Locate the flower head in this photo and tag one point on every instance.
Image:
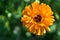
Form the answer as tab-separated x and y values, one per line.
37	18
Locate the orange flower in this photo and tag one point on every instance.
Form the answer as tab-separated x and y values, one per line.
37	18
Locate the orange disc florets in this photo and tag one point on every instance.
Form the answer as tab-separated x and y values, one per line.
37	18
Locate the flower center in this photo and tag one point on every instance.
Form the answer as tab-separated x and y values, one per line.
37	18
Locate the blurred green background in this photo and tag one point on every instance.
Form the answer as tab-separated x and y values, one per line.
11	27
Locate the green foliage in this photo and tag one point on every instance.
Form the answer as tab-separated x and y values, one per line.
11	27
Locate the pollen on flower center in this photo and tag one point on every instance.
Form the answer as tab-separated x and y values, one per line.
37	18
